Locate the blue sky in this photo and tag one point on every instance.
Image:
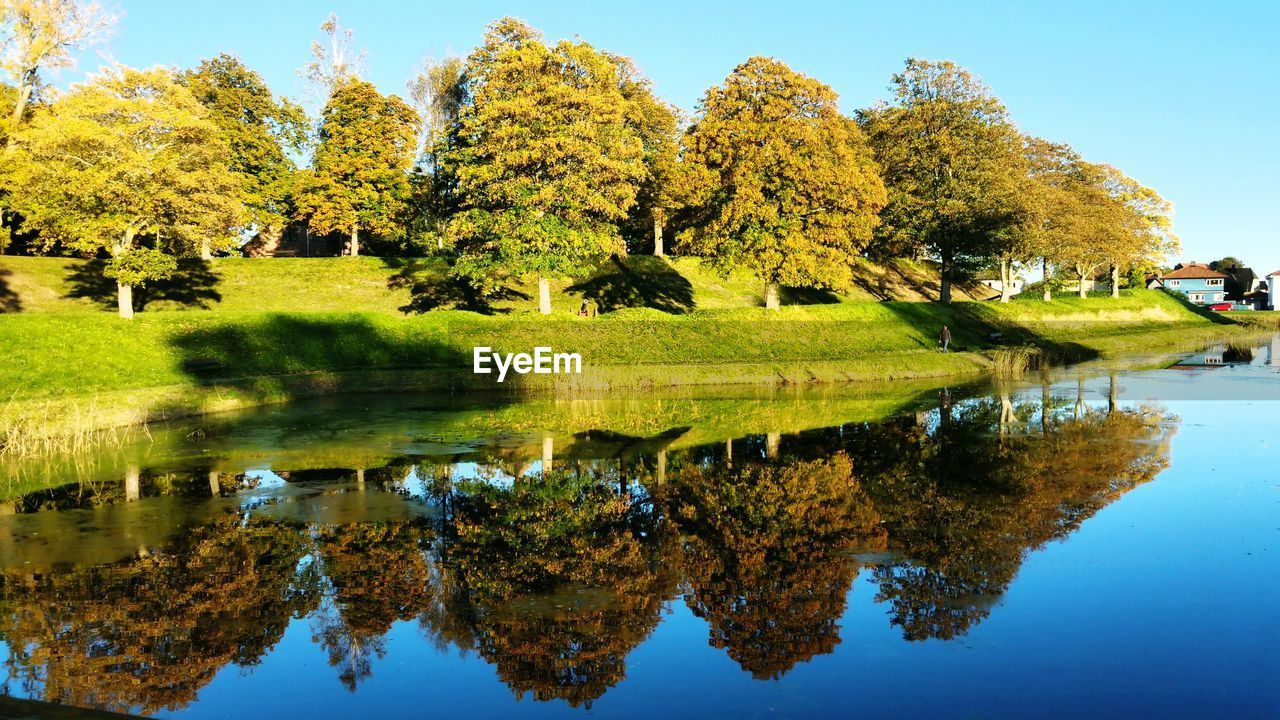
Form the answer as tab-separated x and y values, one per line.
1181	95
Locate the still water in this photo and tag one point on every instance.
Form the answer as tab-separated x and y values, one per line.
1100	544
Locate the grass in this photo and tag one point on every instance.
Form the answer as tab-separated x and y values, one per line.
243	332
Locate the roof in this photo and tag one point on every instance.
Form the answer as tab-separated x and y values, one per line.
1193	271
1275	274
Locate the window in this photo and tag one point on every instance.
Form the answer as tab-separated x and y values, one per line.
1215	281
1175	283
1197	297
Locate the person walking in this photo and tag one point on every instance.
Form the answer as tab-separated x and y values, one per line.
944	338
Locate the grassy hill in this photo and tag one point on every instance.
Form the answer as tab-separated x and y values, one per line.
367	284
275	329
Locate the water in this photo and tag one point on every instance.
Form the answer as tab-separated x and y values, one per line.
1100	544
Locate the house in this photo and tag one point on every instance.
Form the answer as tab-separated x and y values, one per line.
1273	282
993	281
1201	285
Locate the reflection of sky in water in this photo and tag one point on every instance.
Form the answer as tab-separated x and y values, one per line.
1160	604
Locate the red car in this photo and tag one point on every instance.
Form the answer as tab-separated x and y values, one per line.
1219	307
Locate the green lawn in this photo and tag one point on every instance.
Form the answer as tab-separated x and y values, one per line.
278	328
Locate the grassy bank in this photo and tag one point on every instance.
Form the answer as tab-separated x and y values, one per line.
71	368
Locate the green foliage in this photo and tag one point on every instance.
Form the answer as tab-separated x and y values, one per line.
360	175
790	189
259	130
953	165
130	154
140	265
545	156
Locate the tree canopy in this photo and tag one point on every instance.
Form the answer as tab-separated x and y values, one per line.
360	171
791	188
127	157
545	157
952	162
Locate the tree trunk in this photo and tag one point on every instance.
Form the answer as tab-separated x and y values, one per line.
355	241
206	249
547	454
662	467
544	295
1048	276
1005	290
944	295
657	235
19	107
728	453
215	483
772	441
1083	292
1113	395
132	483
1115	281
124	300
771	301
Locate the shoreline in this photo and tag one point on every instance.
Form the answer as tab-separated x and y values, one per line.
71	423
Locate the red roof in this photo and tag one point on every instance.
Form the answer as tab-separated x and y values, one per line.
1274	274
1192	271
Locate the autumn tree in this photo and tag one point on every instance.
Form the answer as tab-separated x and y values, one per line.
360	170
794	190
1144	234
952	162
545	158
41	35
127	156
657	123
334	62
437	93
260	131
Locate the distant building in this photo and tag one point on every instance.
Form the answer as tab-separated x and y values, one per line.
995	283
1273	282
1240	282
1201	285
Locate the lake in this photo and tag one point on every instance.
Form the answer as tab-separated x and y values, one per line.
1093	542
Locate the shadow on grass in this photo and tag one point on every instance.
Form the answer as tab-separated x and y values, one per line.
976	326
193	285
9	300
637	282
807	296
431	287
1204	312
284	344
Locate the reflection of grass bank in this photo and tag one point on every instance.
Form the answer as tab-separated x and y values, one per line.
181	363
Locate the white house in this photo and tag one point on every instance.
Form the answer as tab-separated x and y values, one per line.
1272	281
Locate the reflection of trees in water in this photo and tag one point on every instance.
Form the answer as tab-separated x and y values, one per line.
147	634
377	573
767	555
555	577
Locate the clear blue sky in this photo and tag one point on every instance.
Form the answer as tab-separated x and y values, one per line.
1181	95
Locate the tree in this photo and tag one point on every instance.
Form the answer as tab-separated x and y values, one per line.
42	35
545	158
437	92
1229	262
360	173
1046	203
334	62
259	129
794	191
1145	234
126	157
657	124
952	163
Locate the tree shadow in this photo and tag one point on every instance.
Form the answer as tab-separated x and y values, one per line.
975	326
637	281
193	285
808	296
276	344
1204	312
9	300
431	288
